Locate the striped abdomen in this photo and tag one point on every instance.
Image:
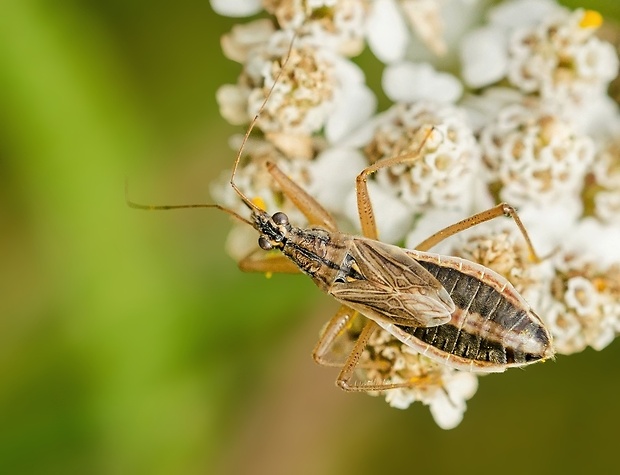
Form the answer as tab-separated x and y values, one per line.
492	328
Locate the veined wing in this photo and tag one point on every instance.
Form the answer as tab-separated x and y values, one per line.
384	282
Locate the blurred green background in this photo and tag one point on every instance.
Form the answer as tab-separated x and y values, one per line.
129	341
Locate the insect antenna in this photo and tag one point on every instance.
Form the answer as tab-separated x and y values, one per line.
241	195
253	207
149	207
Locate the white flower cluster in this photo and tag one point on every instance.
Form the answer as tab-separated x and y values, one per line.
585	305
533	155
603	183
527	120
540	48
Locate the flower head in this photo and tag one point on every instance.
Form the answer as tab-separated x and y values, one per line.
541	48
533	155
602	185
527	120
560	58
442	148
584	307
339	23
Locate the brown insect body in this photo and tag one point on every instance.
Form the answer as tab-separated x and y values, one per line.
452	310
493	328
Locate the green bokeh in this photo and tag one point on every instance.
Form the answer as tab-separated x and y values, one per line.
130	343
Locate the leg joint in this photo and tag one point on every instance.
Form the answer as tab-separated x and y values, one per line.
508	210
344	385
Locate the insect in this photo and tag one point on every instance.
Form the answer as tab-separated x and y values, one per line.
451	310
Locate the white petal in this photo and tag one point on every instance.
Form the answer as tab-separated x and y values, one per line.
347	71
549	225
594	240
429	223
484	56
354	103
459	17
400	398
606	335
448	407
599	118
333	176
241	241
425	16
446	414
462	385
243	37
354	107
299	146
482	109
233	102
387	31
236	8
361	136
517	13
408	82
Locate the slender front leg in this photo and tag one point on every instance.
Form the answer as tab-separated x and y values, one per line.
267	263
311	208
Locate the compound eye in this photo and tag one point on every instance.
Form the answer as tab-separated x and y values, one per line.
264	243
280	218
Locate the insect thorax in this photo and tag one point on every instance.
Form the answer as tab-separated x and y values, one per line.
313	251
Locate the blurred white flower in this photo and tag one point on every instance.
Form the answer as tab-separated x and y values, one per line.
409	82
582	294
388	35
337	23
540	48
393	26
603	183
448	405
483	56
561	59
426	20
236	8
521	13
243	38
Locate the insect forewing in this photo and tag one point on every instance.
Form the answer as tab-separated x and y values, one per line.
391	286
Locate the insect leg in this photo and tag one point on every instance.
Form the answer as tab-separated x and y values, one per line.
345	378
260	261
502	209
337	328
312	210
369	229
364	206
